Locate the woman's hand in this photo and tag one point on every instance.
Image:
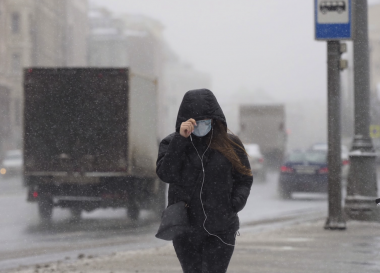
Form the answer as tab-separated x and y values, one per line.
187	127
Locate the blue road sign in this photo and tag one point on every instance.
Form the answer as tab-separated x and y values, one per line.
333	19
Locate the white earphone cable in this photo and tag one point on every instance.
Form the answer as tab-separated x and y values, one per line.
203	181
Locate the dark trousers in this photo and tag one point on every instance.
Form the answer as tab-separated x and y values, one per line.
199	252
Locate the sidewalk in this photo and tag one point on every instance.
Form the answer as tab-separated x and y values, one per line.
305	248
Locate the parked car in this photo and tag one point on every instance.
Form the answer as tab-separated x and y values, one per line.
303	172
256	160
344	156
12	163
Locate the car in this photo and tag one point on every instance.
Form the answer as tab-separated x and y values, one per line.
256	160
344	156
303	171
12	163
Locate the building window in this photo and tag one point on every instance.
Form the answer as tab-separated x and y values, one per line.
16	64
15	24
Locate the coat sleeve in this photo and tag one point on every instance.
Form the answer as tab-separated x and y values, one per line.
242	183
171	158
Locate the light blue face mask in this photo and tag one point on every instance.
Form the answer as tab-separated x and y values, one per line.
203	127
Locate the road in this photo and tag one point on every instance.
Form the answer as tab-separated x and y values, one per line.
24	240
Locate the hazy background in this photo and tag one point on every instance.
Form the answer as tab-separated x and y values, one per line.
254	51
256	45
246	51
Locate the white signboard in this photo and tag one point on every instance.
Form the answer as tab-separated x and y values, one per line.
333	12
333	19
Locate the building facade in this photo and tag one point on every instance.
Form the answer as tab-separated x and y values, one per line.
107	46
4	86
45	33
132	41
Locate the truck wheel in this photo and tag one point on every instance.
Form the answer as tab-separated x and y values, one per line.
45	208
75	213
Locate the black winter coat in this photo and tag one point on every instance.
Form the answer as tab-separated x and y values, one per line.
225	190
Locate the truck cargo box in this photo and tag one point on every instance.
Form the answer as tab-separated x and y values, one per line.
89	121
265	126
90	140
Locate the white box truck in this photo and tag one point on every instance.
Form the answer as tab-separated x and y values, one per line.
90	140
265	126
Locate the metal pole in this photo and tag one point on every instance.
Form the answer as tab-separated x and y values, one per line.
362	183
335	219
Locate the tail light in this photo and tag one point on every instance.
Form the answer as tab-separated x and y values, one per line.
32	196
286	169
323	170
261	160
345	162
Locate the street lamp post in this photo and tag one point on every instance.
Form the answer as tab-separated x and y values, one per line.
362	183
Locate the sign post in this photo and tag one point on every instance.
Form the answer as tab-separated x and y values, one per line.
333	22
362	182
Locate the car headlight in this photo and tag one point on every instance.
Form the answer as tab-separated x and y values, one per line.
3	171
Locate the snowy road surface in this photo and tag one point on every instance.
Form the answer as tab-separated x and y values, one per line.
23	240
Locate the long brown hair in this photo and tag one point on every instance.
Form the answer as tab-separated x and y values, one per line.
225	145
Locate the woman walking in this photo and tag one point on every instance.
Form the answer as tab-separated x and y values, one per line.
208	169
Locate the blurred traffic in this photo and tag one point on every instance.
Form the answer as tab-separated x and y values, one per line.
12	163
307	171
256	160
